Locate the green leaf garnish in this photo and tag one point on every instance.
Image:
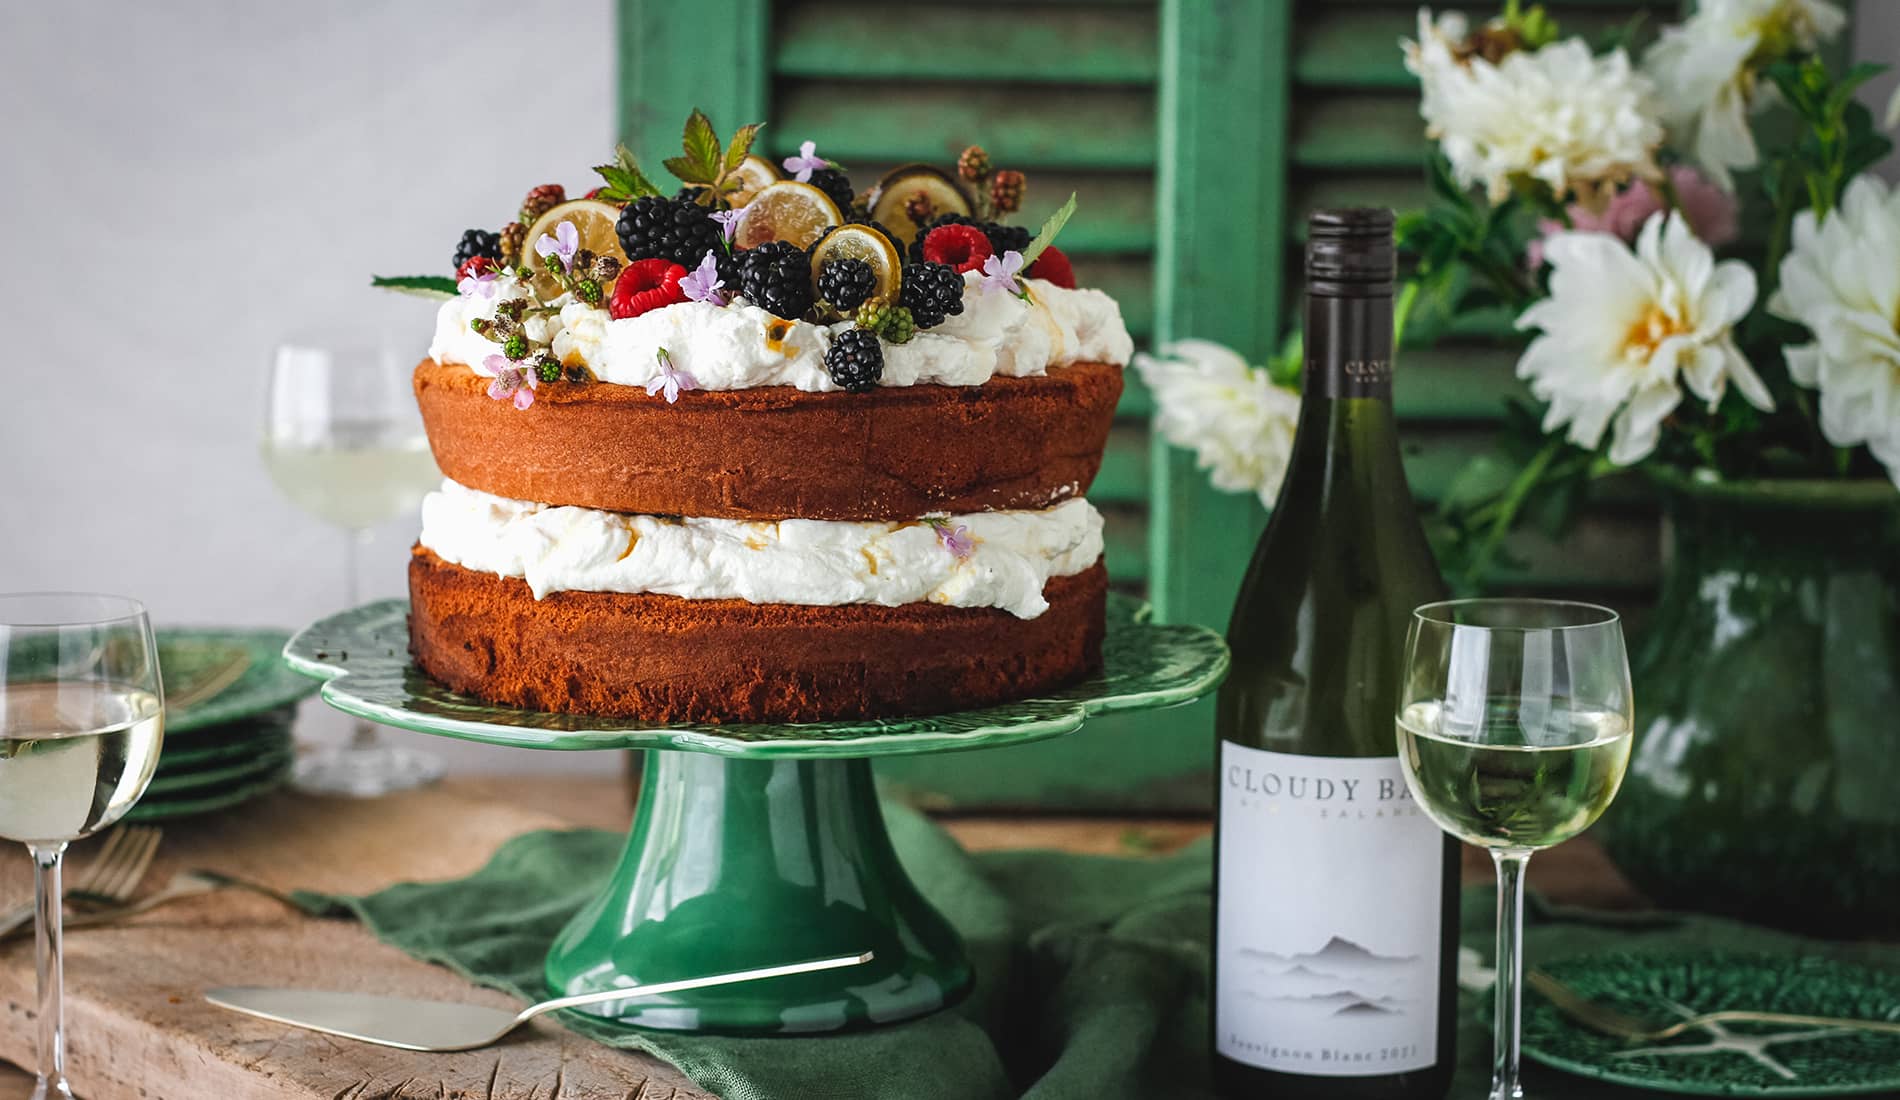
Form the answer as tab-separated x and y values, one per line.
741	145
1049	230
625	182
422	286
703	162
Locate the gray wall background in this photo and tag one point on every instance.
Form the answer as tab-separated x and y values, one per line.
185	185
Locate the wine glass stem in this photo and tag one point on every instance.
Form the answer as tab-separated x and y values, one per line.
46	952
1510	968
363	735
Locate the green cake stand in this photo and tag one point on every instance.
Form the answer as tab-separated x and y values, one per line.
753	845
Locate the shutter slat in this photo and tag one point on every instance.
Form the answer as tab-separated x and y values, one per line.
1040	43
1354	45
1359	131
1108	128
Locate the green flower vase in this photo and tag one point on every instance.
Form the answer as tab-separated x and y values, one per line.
1765	779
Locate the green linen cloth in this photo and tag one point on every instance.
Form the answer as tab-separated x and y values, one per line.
1091	972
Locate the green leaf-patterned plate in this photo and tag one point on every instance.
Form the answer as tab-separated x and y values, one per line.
153	808
363	654
207	780
240	740
190	657
1734	1059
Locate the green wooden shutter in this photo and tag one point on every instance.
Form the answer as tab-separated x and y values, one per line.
1196	135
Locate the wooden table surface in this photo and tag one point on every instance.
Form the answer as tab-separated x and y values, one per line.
138	1028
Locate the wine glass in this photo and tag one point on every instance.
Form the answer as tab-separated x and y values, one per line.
343	440
82	715
1514	732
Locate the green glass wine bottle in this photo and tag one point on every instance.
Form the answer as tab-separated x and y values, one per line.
1335	920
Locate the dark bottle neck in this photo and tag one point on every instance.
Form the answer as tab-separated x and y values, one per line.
1349	346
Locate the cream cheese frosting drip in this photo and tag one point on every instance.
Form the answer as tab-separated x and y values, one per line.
1005	559
742	346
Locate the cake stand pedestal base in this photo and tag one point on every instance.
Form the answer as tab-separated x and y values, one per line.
736	863
757	844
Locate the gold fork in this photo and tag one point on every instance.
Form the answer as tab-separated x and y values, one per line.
109	879
1609	1021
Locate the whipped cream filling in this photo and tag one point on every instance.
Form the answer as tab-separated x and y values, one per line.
742	346
1007	558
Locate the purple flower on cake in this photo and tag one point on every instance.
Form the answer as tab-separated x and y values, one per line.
729	220
563	242
670	379
704	283
999	272
957	540
478	286
805	163
511	382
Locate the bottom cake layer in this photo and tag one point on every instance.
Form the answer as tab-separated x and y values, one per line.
667	659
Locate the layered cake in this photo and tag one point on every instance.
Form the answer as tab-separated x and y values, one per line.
764	448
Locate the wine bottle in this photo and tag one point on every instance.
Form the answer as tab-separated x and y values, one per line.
1335	920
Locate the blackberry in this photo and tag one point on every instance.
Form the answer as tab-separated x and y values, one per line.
846	283
1003	238
855	361
690	192
660	228
776	276
477	242
932	293
837	185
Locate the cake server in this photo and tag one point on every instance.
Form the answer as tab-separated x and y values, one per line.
441	1026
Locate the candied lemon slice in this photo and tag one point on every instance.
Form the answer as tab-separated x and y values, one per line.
861	242
787	211
594	224
891	201
754	174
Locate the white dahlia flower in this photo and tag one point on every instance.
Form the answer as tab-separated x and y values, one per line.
1707	72
1624	330
1238	423
1841	279
1582	124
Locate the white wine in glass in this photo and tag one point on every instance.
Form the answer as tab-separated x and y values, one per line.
1502	789
343	440
1514	719
82	717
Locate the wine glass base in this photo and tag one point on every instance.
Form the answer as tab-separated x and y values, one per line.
365	771
58	1090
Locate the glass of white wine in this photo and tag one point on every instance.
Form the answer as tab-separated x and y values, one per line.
1514	732
343	440
82	716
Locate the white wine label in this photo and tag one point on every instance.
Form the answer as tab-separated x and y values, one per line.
1329	916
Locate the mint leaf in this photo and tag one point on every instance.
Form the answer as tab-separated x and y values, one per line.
422	286
1049	230
741	145
625	182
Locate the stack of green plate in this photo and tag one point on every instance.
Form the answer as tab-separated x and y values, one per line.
229	706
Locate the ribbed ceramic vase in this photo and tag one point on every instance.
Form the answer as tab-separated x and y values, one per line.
1765	780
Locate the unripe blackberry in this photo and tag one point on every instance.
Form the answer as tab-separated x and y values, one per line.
1006	191
541	200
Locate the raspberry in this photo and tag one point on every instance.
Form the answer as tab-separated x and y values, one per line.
960	247
644	285
1053	266
474	265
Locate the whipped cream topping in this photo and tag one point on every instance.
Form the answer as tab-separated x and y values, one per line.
825	563
742	346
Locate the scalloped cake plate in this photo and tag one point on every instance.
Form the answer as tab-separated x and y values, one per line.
363	657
